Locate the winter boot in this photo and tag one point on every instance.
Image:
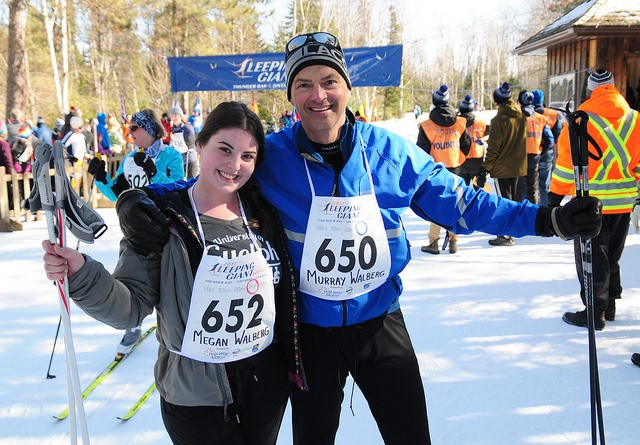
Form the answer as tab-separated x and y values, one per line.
131	337
610	313
453	245
635	359
432	247
502	241
580	319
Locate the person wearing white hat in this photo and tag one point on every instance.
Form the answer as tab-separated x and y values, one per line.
76	146
183	139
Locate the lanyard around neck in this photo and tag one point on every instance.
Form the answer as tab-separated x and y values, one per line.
252	237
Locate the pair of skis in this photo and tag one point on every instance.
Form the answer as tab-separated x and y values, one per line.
141	401
106	372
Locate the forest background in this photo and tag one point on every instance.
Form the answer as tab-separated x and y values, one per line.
111	56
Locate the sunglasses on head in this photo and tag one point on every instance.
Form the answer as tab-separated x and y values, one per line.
319	37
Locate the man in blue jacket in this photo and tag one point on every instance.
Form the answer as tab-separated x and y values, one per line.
340	186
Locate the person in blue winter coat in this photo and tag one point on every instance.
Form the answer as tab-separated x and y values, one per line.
340	187
104	142
42	132
153	162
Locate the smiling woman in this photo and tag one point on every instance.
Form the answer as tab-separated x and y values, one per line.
223	268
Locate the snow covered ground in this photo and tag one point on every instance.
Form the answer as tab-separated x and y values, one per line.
498	364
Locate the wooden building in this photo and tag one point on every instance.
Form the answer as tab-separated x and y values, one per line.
595	34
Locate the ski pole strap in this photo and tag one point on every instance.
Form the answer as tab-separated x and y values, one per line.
579	139
80	218
41	196
577	131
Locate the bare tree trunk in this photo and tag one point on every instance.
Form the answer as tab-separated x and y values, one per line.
17	68
117	85
136	107
48	24
96	82
64	35
133	91
401	103
30	97
483	60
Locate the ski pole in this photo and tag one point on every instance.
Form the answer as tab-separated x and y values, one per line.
55	339
42	197
64	209
75	403
580	159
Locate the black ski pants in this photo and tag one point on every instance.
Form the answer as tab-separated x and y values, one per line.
606	250
528	186
379	356
260	391
507	188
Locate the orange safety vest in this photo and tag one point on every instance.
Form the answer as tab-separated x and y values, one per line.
552	115
535	126
613	178
476	132
553	118
445	141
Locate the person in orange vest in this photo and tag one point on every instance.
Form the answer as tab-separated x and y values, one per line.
506	157
477	129
548	158
615	127
444	136
539	140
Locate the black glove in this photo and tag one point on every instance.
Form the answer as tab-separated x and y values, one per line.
143	224
98	168
579	217
141	159
554	200
120	185
481	179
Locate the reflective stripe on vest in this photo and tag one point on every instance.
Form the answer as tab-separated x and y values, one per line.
616	193
445	141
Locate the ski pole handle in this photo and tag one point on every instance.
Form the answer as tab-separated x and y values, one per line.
577	125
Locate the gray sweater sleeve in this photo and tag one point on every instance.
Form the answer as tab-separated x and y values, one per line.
121	299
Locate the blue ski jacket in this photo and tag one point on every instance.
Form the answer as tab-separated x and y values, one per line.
169	169
404	176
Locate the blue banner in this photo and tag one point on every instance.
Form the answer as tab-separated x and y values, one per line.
375	66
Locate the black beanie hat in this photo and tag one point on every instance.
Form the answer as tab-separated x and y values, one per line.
525	98
502	94
466	105
317	48
441	95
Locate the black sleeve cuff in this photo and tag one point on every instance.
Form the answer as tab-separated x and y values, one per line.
544	227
